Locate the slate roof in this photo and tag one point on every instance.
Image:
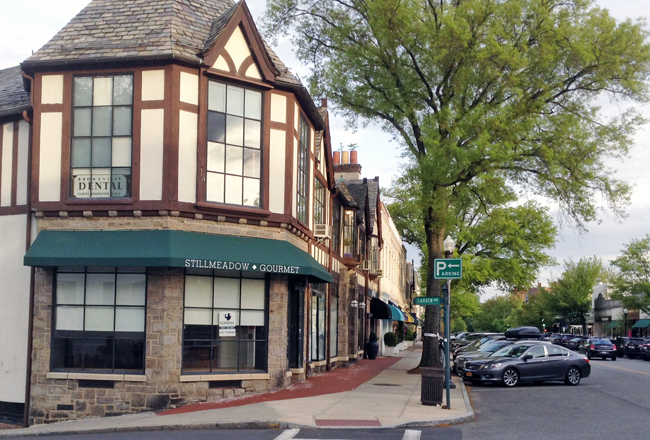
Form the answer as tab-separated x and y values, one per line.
13	97
359	189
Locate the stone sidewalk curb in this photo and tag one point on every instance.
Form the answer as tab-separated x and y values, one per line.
250	425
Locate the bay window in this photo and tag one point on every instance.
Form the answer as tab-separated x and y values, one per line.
303	171
99	319
225	324
234	154
101	151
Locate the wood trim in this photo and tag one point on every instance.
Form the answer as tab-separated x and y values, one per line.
276	125
245	65
266	150
14	210
228	59
233	210
136	135
49	108
245	81
36	139
150	105
202	138
66	137
14	165
172	92
190	108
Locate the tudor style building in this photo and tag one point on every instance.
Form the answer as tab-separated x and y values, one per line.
173	185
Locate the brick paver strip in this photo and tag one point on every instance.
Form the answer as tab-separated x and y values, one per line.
329	382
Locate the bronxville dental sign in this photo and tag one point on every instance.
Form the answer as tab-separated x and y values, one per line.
231	265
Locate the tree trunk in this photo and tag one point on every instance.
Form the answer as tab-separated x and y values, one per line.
430	349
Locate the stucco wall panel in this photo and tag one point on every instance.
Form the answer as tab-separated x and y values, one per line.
50	157
151	154
187	150
278	160
6	171
153	85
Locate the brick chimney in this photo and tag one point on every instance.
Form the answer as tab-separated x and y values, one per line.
346	166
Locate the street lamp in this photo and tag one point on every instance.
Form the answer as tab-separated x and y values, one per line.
624	322
354	304
448	245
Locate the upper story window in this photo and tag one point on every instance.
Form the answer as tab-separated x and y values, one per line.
319	202
336	226
303	171
234	159
349	234
102	115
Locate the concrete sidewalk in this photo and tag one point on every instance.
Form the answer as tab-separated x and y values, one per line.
390	399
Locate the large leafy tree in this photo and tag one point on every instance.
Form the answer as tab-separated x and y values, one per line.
631	282
570	296
483	95
498	314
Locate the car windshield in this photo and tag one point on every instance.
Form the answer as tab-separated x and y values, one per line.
600	341
635	341
475	343
511	351
491	347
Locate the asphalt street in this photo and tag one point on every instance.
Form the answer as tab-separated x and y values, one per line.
614	402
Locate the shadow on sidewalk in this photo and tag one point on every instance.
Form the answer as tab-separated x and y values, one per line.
335	381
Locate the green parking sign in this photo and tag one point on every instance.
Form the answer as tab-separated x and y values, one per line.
448	269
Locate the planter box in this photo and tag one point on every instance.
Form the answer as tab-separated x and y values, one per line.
391	351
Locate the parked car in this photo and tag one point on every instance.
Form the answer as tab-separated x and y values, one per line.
556	337
572	344
620	345
632	348
485	350
565	339
598	347
474	345
528	362
645	351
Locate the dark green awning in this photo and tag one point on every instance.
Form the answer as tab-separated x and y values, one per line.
172	249
642	323
613	324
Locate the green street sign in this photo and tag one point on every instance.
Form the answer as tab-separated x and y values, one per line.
448	268
426	301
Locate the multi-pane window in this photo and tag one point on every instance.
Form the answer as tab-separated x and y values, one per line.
303	171
234	156
336	226
374	253
225	324
102	115
99	319
319	202
317	332
334	320
349	234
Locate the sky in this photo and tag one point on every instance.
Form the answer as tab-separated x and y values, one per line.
25	27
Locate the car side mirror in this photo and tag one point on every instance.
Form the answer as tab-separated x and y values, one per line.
528	356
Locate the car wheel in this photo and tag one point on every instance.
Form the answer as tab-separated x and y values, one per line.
510	377
646	358
613	358
573	376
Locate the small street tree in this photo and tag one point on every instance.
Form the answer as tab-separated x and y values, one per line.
486	97
631	281
570	296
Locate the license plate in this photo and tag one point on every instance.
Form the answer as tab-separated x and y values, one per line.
469	373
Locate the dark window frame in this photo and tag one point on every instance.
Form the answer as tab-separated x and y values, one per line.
319	202
214	339
84	336
302	183
90	137
336	226
318	297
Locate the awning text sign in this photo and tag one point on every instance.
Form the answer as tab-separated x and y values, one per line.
427	301
448	268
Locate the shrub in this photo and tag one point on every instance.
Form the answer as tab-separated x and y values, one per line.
390	339
373	337
409	335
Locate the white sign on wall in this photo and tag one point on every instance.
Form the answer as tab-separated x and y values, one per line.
102	185
227	324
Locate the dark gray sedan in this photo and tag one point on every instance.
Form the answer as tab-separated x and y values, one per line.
528	363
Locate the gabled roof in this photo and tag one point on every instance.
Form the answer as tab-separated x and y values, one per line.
362	190
13	97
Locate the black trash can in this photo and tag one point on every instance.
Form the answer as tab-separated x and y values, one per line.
433	385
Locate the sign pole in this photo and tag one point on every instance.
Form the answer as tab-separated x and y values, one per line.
447	369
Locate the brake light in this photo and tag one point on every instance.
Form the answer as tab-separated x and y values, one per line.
587	360
613	346
591	346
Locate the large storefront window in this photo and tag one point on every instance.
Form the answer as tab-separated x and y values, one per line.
234	159
102	115
303	171
317	336
334	320
99	319
225	324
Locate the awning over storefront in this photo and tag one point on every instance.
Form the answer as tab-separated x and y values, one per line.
396	314
411	318
379	309
172	249
613	324
642	323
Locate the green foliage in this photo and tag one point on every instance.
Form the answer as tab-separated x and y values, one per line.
457	325
372	337
631	282
498	314
410	336
390	339
401	331
570	296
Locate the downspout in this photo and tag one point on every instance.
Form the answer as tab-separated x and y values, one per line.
32	275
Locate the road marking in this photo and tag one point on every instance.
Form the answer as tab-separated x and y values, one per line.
624	369
288	434
412	434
